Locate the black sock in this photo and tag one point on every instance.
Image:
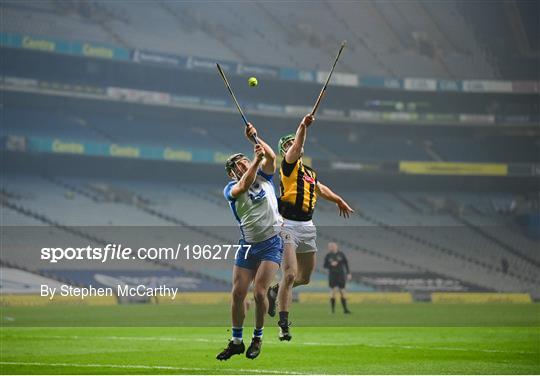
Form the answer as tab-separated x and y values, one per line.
284	316
333	304
344	304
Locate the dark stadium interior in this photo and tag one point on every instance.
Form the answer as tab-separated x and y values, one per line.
115	127
63	97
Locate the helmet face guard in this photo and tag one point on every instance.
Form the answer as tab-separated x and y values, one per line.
282	141
230	163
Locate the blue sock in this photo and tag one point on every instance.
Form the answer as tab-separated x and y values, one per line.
237	335
258	332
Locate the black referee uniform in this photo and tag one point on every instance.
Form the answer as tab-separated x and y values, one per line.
338	269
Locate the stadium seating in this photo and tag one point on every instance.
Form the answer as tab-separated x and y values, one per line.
391	233
103	122
450	234
385	38
16	281
505	50
442	243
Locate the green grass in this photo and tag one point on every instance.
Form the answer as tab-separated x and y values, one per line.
380	339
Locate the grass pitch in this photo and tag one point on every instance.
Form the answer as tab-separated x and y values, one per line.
381	339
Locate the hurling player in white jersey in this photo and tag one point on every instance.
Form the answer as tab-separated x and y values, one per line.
253	201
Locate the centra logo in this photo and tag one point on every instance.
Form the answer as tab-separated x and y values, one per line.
99	51
38	44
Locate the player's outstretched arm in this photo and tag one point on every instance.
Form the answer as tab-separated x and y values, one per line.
268	165
344	209
295	151
249	177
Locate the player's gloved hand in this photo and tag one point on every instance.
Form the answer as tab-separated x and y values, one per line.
344	209
250	132
349	277
308	119
259	152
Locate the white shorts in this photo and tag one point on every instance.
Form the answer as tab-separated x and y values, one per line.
302	234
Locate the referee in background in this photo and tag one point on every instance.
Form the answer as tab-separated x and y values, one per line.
338	274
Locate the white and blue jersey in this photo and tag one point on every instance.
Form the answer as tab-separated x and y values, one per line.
256	210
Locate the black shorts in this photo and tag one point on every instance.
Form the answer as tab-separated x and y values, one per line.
336	281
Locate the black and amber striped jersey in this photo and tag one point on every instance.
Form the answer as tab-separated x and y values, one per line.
298	193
